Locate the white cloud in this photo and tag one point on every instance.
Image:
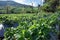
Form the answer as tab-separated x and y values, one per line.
34	4
20	1
24	2
42	2
28	2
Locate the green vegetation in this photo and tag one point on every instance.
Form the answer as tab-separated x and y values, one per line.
34	23
51	5
18	10
31	26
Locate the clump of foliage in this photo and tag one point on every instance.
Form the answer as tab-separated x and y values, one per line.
36	27
51	5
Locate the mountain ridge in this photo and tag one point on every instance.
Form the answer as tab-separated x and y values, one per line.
12	3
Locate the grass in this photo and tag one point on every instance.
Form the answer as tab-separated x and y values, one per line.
16	14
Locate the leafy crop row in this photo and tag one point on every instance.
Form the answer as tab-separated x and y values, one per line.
36	27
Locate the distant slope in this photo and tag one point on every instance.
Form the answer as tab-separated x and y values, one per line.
12	3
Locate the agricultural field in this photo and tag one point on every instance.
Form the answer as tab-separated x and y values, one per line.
31	26
36	20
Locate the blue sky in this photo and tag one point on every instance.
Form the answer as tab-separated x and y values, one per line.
29	2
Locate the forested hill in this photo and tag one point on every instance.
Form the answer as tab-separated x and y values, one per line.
12	3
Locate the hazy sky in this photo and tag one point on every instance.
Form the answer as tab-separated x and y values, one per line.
29	2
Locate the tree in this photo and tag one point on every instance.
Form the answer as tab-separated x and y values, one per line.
31	5
52	5
7	6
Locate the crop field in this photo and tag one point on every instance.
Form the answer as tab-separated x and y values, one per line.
30	26
29	19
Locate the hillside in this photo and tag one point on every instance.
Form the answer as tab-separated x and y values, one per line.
12	3
12	7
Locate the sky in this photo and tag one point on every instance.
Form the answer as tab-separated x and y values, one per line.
28	2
